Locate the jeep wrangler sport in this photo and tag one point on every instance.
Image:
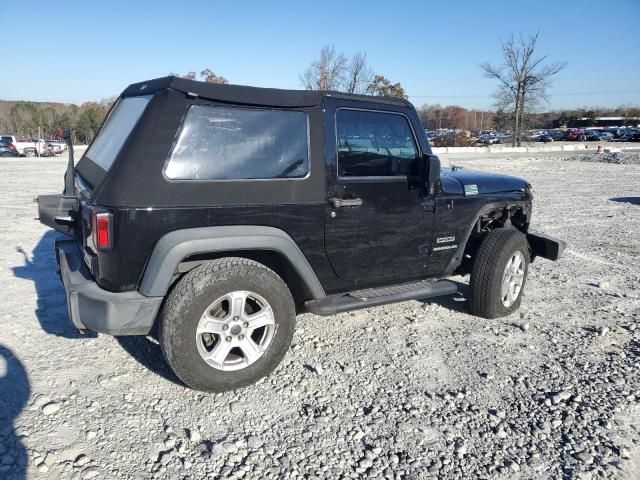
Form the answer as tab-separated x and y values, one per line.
212	214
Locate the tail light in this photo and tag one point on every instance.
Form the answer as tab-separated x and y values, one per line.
102	230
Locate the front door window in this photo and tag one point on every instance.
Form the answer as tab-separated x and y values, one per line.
374	144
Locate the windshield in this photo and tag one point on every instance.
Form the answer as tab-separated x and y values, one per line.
116	130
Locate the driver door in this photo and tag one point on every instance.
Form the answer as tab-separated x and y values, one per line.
378	228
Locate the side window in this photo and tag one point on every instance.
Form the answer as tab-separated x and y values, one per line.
234	143
374	144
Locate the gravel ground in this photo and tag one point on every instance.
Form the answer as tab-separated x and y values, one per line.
625	158
413	390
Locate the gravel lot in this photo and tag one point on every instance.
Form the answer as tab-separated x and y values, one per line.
414	390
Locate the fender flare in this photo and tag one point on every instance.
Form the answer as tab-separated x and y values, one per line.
456	260
175	246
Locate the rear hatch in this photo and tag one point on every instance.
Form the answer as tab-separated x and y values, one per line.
65	212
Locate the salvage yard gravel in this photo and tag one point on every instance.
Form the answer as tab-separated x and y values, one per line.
415	390
624	158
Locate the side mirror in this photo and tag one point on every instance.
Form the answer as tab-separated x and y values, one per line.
432	173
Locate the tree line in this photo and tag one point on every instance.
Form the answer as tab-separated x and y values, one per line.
456	117
436	116
523	79
41	120
30	119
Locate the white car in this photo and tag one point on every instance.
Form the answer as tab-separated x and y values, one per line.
35	147
55	146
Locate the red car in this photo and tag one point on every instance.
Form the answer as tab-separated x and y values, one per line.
578	135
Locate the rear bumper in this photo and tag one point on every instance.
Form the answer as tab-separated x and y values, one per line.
545	246
96	309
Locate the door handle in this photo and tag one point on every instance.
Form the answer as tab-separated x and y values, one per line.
346	202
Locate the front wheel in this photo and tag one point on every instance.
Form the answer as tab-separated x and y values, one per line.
499	273
226	324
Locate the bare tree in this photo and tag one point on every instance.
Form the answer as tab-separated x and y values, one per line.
523	79
188	75
327	72
358	74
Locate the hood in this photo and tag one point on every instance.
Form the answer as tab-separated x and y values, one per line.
471	182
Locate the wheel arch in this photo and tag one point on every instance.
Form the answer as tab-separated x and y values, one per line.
181	250
506	212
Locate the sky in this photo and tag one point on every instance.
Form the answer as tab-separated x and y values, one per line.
72	52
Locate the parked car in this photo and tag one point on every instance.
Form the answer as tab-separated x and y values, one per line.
491	138
534	135
27	147
592	135
8	149
552	136
577	135
53	147
606	135
619	132
273	202
629	136
58	146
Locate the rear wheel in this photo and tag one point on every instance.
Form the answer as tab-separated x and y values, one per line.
226	324
499	273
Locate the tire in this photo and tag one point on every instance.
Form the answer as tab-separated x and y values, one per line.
489	268
184	310
7	154
30	152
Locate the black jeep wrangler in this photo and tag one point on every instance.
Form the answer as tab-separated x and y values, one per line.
212	214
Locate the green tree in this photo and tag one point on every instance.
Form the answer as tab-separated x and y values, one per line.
567	119
22	119
89	121
207	75
501	120
591	117
383	87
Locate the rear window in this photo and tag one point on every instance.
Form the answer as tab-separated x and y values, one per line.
116	130
233	143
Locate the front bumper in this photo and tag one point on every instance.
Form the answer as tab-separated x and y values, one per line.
96	309
545	246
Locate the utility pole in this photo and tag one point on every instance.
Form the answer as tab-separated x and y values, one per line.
481	118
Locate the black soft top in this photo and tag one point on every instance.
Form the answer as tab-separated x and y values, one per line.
271	97
136	179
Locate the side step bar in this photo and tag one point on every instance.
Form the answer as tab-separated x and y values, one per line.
333	304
